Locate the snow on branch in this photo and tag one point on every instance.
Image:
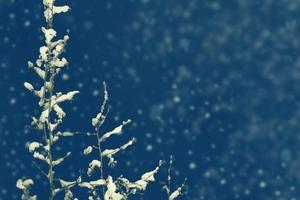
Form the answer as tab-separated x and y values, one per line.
50	9
109	153
115	131
93	165
101	116
24	185
179	191
111	191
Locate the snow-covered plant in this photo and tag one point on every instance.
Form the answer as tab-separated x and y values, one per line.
47	66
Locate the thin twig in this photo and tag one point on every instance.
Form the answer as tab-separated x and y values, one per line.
51	175
39	168
169	175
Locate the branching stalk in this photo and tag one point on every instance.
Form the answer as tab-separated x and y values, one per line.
50	133
50	139
102	119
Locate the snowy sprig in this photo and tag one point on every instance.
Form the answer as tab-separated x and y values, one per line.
112	190
172	195
109	153
101	116
116	131
47	66
178	192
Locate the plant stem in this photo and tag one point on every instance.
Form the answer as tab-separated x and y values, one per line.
169	175
101	159
50	137
102	119
50	133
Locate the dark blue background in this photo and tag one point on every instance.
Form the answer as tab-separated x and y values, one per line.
214	83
